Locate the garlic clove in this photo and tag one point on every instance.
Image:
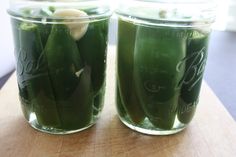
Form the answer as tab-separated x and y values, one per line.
77	29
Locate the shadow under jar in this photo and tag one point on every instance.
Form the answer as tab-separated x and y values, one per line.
60	50
161	56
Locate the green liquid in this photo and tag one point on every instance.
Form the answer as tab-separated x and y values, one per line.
61	81
159	74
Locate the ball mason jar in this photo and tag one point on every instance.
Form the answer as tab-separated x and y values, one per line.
161	56
60	51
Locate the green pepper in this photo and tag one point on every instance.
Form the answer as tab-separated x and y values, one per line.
92	48
63	61
158	51
33	78
44	31
77	111
125	78
195	61
25	102
23	92
70	80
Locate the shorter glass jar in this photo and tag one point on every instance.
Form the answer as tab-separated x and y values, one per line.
60	50
161	55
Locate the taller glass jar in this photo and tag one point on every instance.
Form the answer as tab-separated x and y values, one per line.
162	52
60	50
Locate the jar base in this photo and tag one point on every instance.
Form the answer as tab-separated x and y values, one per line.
55	131
153	131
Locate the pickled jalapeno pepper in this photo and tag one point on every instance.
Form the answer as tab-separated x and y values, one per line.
126	92
194	61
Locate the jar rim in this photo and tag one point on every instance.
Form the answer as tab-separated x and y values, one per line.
154	12
104	11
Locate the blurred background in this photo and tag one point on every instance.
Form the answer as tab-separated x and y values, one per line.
220	71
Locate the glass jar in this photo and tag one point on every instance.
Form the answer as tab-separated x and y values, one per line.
60	50
161	55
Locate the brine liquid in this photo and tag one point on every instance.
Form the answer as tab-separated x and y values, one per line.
159	75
